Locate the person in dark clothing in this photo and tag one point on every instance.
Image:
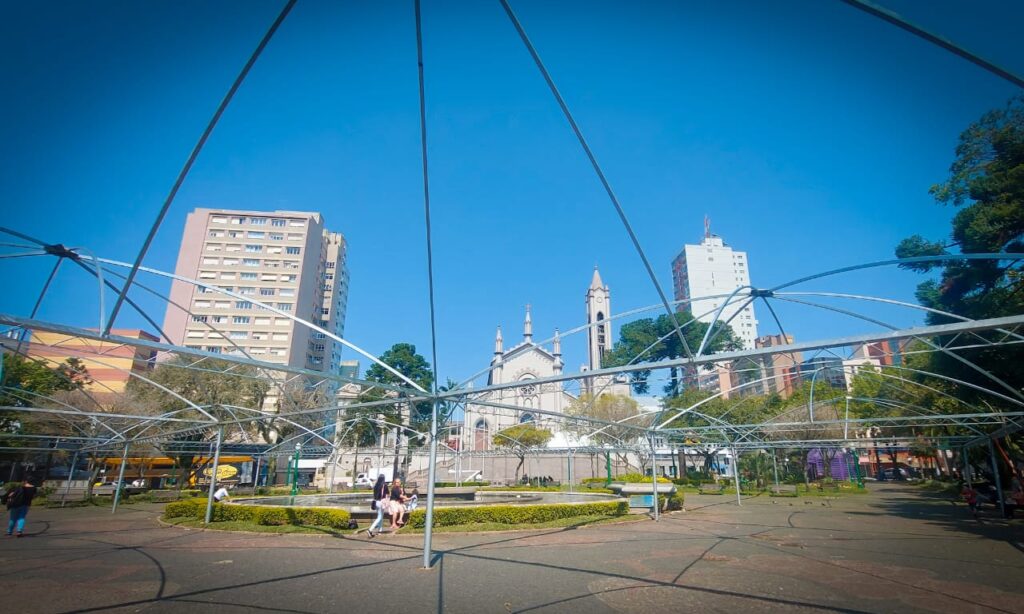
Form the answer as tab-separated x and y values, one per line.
18	501
380	492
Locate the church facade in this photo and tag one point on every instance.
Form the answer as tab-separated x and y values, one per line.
526	361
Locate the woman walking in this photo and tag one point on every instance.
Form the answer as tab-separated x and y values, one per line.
380	501
18	501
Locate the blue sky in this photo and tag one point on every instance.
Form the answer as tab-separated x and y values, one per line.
808	131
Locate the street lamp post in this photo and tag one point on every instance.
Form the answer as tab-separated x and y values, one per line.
295	468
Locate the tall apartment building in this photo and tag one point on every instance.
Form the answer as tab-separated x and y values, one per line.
284	259
712	268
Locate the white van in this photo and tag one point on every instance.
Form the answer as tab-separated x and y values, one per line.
366	480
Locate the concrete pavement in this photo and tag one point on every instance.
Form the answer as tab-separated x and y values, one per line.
896	549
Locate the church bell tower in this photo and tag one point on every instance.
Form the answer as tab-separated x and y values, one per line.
599	308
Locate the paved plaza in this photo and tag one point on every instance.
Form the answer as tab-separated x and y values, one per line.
897	549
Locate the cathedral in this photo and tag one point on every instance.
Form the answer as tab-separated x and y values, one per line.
527	361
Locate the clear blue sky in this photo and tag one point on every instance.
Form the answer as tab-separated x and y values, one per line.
808	131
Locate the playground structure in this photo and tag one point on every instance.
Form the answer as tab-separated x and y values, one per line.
977	412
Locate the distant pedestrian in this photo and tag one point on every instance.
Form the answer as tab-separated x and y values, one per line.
18	500
380	501
221	495
971	497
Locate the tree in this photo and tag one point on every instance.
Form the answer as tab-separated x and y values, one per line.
986	183
520	439
403	358
610	408
211	385
655	339
23	381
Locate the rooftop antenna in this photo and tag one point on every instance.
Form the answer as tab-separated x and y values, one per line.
707	227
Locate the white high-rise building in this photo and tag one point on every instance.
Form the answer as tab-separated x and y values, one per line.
713	269
284	259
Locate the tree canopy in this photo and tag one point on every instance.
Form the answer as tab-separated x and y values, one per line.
986	184
654	339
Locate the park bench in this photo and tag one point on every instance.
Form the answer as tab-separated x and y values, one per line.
710	489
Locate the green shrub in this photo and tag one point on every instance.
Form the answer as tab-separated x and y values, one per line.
673	503
281	491
516	514
455	484
189	508
258	514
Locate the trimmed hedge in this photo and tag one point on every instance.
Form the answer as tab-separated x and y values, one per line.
459	484
284	491
629	478
516	514
674	503
258	514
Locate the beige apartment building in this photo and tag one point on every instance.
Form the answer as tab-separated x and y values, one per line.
284	259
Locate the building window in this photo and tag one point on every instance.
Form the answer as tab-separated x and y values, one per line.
219	220
277	223
243	305
258	221
230	261
240	319
287	292
250	262
297	223
246	290
238	220
254	248
239	334
284	306
266	292
200	318
293	250
247	276
213	349
276	236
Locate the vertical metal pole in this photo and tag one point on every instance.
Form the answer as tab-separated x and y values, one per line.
846	420
654	475
213	477
967	466
570	471
256	476
998	480
431	477
120	479
736	475
334	468
608	467
67	485
775	467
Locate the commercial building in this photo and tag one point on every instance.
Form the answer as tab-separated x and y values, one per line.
286	260
110	365
713	269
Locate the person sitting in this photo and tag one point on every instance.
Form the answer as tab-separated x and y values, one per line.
413	501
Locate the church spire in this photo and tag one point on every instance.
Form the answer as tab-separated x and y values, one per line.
499	346
595	282
528	326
